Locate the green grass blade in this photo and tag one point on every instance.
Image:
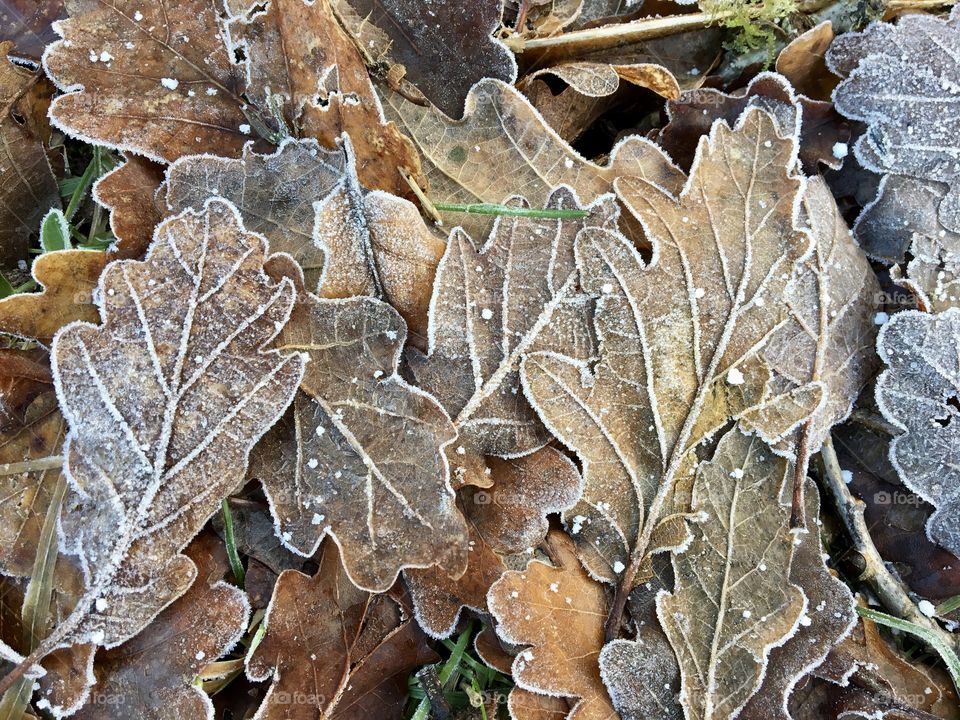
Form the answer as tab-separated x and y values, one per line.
55	232
230	541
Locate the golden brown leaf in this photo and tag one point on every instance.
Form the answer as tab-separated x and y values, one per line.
129	192
803	62
69	278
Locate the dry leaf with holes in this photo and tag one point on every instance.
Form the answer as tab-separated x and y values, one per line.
28	187
918	393
442	48
733	600
463	159
517	293
303	66
150	676
68	278
148	78
913	129
678	341
130	193
559	613
360	454
148	463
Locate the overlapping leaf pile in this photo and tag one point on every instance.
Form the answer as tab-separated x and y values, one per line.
291	432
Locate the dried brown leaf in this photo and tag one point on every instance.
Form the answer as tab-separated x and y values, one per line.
148	463
464	159
516	294
444	48
148	78
594	79
913	129
360	455
678	338
559	612
301	63
733	601
918	393
150	676
28	188
28	24
130	193
803	62
820	128
68	278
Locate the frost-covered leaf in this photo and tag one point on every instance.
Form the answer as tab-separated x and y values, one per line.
27	185
511	514
933	273
148	77
465	160
68	278
638	675
830	335
903	81
130	193
678	339
360	455
559	613
516	294
594	79
307	201
733	600
829	617
328	644
301	63
150	676
150	459
444	48
918	393
819	127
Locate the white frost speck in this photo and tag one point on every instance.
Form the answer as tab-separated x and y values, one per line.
699	293
320	430
554	587
927	608
486	313
101	604
245	129
747	613
735	377
138	16
316	519
840	150
312	463
737	473
880	318
606	288
618	567
847	476
200	655
170	83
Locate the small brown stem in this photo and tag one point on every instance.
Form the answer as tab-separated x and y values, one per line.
890	591
53	462
797	514
611	628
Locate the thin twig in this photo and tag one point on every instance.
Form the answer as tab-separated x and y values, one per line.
53	462
890	591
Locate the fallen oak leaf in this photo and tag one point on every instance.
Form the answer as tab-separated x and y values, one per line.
129	193
803	62
138	77
500	128
190	323
911	131
68	278
360	455
28	23
443	48
150	676
678	342
28	188
301	63
594	79
559	612
516	294
918	394
733	599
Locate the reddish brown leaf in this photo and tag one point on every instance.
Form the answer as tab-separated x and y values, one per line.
129	192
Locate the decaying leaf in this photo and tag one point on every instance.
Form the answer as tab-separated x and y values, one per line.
820	128
28	24
594	79
803	62
518	293
913	129
147	78
933	273
559	613
918	393
733	601
511	513
638	675
360	455
69	278
828	619
443	48
150	676
27	185
500	129
678	338
149	462
303	66
318	649
830	333
129	192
